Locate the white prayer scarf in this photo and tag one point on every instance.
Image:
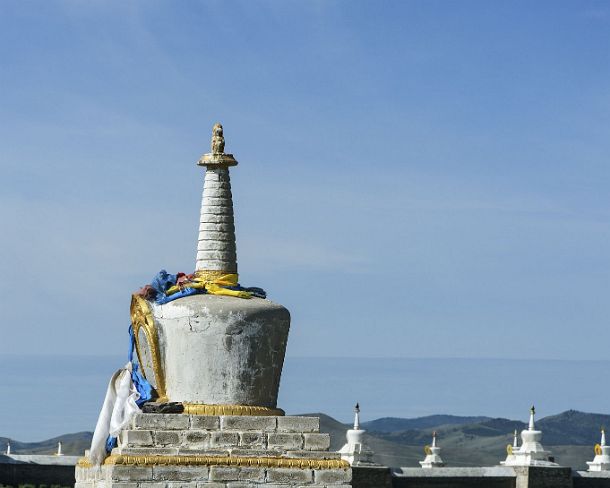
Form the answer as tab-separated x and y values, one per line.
118	409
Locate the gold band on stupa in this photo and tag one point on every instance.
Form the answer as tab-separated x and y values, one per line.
212	160
211	275
254	462
250	410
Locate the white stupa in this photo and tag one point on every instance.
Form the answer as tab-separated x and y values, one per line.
8	448
59	453
433	457
356	452
531	452
601	462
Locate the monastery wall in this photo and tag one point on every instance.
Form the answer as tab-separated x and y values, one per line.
28	475
586	479
543	477
371	477
56	476
493	477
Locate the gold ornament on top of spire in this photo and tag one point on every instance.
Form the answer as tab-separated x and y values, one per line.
217	156
218	140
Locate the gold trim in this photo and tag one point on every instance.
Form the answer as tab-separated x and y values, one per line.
221	160
258	462
598	450
202	409
212	275
141	318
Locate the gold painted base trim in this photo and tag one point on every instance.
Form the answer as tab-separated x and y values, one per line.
256	462
213	275
249	410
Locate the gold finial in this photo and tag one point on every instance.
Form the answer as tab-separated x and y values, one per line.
218	140
217	157
533	410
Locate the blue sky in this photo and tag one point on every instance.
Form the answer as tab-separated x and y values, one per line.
418	179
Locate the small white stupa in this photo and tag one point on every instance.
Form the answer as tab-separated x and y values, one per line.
8	448
531	452
356	452
433	456
59	453
601	462
511	449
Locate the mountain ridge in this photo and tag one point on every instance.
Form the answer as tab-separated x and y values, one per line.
393	424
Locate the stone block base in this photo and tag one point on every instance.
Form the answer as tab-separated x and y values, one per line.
543	477
194	451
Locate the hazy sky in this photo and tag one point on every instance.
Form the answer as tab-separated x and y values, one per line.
416	178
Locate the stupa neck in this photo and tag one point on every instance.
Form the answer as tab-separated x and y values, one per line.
216	248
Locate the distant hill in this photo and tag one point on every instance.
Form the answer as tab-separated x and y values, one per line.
431	422
573	427
71	444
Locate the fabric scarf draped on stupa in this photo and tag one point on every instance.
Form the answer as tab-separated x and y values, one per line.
166	287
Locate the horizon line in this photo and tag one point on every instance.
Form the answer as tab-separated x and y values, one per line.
431	358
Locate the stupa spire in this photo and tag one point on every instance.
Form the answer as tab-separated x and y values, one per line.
532	414
601	462
357	417
516	439
8	448
216	249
